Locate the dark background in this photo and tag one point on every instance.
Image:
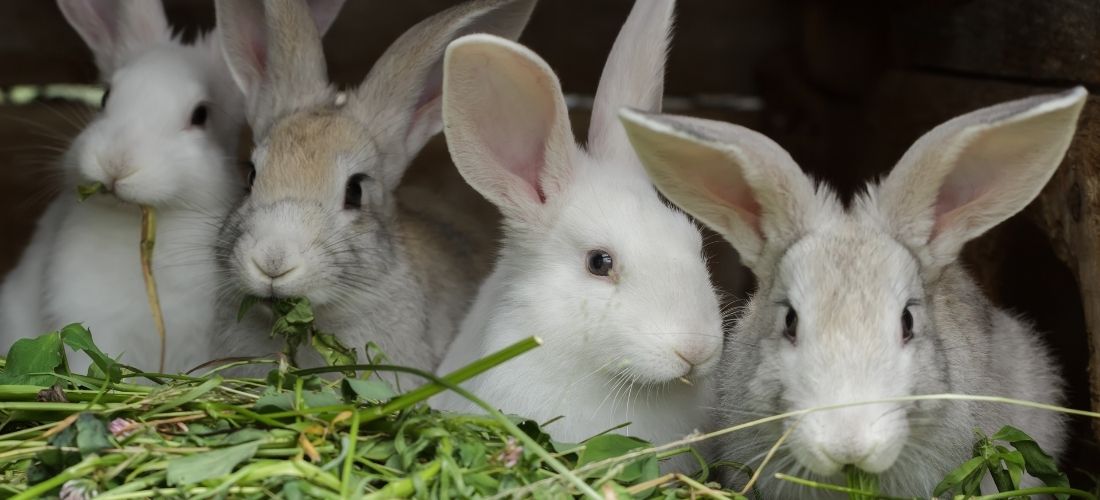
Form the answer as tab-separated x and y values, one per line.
845	86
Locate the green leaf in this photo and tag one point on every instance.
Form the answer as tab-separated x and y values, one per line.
85	191
244	436
296	311
91	435
215	463
613	445
370	390
333	351
246	305
55	458
293	319
273	401
79	338
380	452
858	479
1033	458
959	475
187	397
32	361
1010	434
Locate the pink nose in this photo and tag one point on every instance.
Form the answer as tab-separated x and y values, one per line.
695	353
274	264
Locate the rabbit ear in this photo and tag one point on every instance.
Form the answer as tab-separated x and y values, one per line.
633	76
274	52
734	180
973	172
405	86
507	125
324	13
243	42
113	29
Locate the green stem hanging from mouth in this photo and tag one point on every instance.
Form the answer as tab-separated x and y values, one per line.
148	241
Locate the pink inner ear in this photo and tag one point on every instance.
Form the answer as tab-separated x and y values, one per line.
527	169
515	128
737	196
258	48
959	189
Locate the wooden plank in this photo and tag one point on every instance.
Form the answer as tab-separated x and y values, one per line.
1037	40
716	46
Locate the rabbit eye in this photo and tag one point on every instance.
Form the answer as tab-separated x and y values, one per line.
599	262
906	325
790	325
103	100
198	116
251	175
353	193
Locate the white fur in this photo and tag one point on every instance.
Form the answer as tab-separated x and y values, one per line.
850	273
614	347
383	272
83	262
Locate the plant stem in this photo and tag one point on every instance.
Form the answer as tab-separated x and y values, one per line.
771	452
405	487
430	389
798	413
838	488
349	458
148	241
701	488
85	466
1043	490
482	364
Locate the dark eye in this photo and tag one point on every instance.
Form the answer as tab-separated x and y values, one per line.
198	116
103	100
599	262
906	325
790	325
251	175
353	193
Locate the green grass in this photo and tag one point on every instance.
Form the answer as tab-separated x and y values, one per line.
340	431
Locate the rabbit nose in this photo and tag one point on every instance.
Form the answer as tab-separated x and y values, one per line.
274	265
847	441
695	354
847	452
116	170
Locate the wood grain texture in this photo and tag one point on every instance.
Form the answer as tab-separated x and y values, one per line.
715	46
1035	40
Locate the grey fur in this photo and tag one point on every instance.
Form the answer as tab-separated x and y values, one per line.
390	271
847	275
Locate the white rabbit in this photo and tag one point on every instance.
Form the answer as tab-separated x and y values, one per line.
870	302
593	261
166	137
323	220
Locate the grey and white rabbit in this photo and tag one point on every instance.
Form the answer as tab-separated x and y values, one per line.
166	137
323	219
869	302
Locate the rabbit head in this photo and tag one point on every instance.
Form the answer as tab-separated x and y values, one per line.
168	129
319	219
864	303
595	262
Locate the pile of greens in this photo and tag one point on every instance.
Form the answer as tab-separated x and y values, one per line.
343	431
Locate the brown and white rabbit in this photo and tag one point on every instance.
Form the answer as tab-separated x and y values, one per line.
869	302
323	220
